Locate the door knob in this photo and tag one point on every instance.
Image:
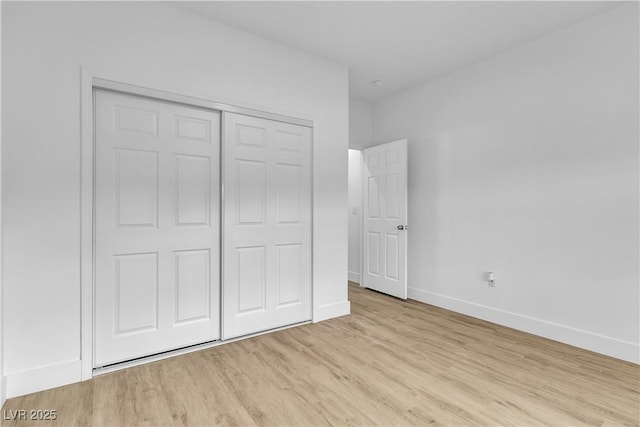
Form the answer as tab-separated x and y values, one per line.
400	227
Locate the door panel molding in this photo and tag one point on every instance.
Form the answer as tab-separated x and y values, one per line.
116	86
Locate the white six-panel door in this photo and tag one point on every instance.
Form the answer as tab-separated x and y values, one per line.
385	218
156	226
267	224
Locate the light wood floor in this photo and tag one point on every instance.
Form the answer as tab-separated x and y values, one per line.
390	363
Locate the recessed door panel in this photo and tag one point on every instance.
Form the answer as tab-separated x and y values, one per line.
250	192
129	119
373	160
193	129
137	292
373	190
392	157
289	141
251	279
391	194
251	136
157	234
290	280
373	250
288	197
193	189
193	275
136	177
267	225
392	251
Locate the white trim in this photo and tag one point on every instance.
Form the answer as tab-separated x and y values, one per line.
44	378
362	186
329	311
3	390
354	277
602	344
314	290
361	233
361	216
313	298
3	393
86	223
221	222
194	101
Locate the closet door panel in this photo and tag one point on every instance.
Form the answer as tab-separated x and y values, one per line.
157	226
267	224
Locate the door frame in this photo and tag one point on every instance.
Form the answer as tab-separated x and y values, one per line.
88	82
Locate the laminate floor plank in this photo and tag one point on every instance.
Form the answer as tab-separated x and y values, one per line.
390	363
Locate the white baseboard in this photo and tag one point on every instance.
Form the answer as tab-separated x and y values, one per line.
602	344
39	379
3	390
330	311
354	277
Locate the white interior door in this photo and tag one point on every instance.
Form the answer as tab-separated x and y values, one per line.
267	224
385	218
157	226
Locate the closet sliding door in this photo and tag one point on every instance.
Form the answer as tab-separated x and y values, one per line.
266	224
157	237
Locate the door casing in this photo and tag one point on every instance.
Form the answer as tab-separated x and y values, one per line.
89	80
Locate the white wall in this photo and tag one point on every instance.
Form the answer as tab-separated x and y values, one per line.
153	45
360	124
526	164
360	136
355	213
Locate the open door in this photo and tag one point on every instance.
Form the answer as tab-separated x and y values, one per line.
385	218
